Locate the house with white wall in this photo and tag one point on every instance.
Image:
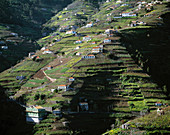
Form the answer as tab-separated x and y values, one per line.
35	114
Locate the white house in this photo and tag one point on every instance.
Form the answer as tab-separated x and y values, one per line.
78	47
89	25
62	87
14	34
43	48
125	126
84	106
71	32
144	2
108	0
86	38
89	57
141	23
71	79
157	2
78	42
128	14
109	31
119	1
4	47
31	54
35	114
78	54
96	50
47	51
93	43
107	40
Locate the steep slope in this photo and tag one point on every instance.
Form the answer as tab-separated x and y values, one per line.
105	78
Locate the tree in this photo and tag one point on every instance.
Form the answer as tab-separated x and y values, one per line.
37	96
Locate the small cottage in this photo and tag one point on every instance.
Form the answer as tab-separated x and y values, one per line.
141	23
109	31
125	126
133	24
107	40
93	43
43	48
78	42
4	47
62	87
158	104
71	79
89	57
14	34
31	54
49	67
128	14
96	50
89	25
148	15
84	106
71	32
77	47
52	90
35	114
33	57
47	51
78	54
119	1
86	38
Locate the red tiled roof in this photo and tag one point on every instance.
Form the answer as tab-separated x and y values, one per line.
39	107
46	49
96	47
90	55
62	85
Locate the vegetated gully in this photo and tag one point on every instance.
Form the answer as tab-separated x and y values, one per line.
150	49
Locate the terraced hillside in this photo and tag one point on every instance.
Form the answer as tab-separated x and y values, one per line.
20	25
87	72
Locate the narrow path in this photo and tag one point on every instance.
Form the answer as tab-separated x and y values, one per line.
51	79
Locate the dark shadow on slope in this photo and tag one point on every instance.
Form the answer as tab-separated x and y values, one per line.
12	117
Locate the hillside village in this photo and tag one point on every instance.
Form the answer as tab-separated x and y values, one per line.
84	74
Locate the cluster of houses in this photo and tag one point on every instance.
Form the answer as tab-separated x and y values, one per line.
65	87
140	4
32	56
136	23
35	114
